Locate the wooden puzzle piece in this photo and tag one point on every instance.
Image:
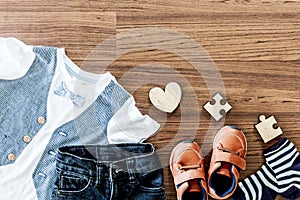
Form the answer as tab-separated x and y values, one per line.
215	109
266	130
168	100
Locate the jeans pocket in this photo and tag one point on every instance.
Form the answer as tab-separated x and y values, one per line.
70	183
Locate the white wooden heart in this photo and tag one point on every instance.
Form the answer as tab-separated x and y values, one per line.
168	100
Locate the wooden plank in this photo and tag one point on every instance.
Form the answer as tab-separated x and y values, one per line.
79	33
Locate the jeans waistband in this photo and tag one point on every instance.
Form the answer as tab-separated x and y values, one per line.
91	159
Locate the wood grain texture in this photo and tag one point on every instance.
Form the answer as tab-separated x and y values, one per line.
254	44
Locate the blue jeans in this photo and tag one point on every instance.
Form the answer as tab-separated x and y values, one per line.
122	171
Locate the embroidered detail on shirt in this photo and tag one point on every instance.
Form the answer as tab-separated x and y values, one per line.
62	90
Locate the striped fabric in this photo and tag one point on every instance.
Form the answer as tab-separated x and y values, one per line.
279	175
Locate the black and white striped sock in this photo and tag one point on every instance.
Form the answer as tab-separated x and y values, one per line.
284	159
280	174
260	185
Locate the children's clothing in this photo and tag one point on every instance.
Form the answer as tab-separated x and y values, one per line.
46	101
279	175
120	172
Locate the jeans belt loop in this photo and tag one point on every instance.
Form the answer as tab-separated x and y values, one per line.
99	173
131	169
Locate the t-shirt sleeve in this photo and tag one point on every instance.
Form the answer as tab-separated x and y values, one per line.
15	58
128	125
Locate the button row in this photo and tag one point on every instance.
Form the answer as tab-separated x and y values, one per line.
53	153
26	138
11	156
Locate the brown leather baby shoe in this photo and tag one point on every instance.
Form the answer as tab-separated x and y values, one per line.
186	164
229	151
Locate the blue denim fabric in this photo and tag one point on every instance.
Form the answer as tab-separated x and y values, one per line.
90	127
116	172
22	101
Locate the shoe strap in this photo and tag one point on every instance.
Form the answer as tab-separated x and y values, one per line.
190	174
236	160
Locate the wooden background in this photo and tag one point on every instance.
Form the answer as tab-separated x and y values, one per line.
255	46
